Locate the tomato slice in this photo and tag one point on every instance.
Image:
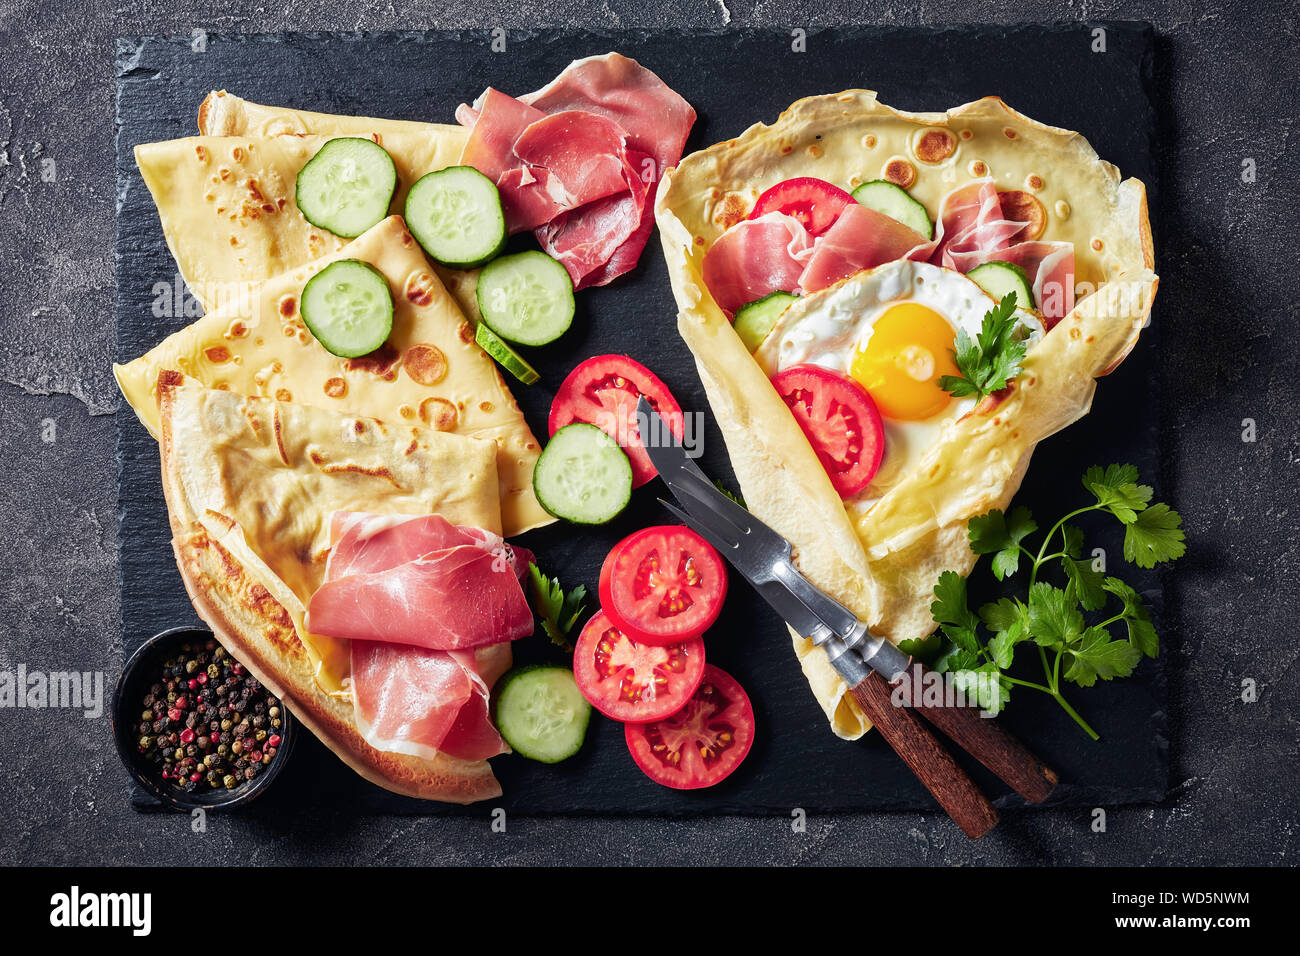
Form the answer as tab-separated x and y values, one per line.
814	202
701	744
603	391
663	584
841	421
634	682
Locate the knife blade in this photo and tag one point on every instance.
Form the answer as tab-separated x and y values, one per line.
766	560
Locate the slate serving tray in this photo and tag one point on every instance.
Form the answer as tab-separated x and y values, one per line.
733	79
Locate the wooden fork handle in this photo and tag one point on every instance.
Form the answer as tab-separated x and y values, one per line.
990	743
926	758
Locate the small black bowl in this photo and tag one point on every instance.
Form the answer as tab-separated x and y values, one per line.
138	673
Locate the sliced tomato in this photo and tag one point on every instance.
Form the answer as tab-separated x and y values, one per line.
603	391
814	202
634	682
841	421
663	584
701	744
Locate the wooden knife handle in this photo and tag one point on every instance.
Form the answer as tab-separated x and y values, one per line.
926	758
989	743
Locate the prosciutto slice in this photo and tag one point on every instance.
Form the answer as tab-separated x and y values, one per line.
499	120
860	238
419	581
756	257
409	698
569	159
775	252
657	118
579	160
602	240
972	230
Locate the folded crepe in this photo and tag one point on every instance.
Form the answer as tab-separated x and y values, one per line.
430	372
883	563
250	485
226	197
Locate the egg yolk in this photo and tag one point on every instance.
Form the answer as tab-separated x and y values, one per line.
900	365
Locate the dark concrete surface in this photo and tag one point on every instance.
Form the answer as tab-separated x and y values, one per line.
1225	86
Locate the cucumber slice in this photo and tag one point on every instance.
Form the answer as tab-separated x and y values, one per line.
526	298
583	475
348	306
455	214
895	202
347	186
504	355
755	320
997	278
541	713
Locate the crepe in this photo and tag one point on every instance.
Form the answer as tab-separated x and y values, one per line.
226	198
430	372
250	485
884	563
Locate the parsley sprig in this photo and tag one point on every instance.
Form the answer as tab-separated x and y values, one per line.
991	359
1055	618
558	611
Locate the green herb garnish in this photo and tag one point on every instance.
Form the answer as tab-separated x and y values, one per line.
1055	618
717	483
990	360
558	611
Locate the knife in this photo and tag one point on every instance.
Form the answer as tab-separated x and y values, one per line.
870	665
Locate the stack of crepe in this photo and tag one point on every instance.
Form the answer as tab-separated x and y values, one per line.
264	434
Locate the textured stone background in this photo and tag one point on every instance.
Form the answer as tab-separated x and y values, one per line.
1225	84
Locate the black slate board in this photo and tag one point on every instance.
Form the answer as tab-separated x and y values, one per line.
733	79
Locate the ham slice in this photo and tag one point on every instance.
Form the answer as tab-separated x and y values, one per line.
410	698
407	699
499	121
972	230
657	118
602	240
568	159
756	257
860	238
582	168
419	581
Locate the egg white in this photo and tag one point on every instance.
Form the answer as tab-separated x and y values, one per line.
828	327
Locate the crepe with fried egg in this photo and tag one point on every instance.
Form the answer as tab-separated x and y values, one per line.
882	556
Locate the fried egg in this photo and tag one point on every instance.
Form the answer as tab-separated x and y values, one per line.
893	329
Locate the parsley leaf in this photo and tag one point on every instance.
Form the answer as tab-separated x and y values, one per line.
950	611
1141	632
1003	615
979	650
1096	655
1000	535
1085	584
1117	490
1053	618
1073	540
990	360
1154	536
924	649
956	659
558	611
1008	620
